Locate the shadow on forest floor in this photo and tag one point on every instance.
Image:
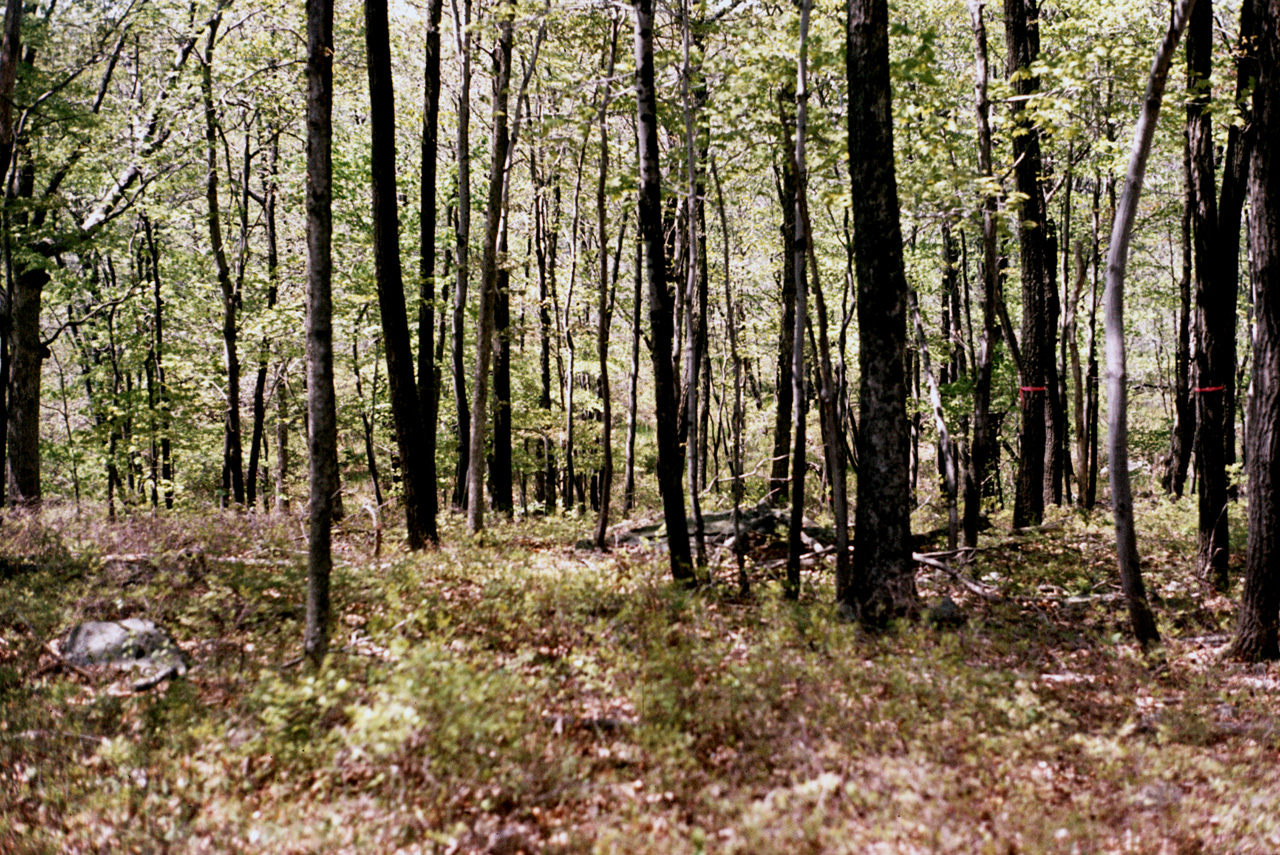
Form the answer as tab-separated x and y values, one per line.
518	695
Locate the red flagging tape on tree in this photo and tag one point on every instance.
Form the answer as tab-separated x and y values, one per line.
1207	389
1023	390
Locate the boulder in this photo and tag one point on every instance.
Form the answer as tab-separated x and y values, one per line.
133	644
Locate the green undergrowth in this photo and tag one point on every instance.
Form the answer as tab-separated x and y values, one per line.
515	694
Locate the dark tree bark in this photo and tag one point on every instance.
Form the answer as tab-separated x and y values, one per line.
257	438
232	459
800	248
386	257
428	373
10	51
884	584
462	232
661	308
786	329
633	382
322	420
980	448
1215	312
602	307
1144	625
489	274
162	416
1022	37
1182	438
1256	627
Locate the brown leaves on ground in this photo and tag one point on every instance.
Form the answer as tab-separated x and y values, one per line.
524	697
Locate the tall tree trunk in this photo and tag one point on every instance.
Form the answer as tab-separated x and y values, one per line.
489	274
10	52
322	438
428	372
1182	438
1256	627
695	290
633	380
462	232
273	290
980	449
282	441
1023	39
1215	312
603	310
735	463
947	460
386	257
1144	625
232	463
799	263
661	309
786	329
545	250
884	586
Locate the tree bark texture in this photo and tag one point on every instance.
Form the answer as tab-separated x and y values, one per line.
1022	37
1144	625
322	439
1215	312
884	582
386	257
661	304
1256	628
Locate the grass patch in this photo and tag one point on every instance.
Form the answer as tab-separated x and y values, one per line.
518	695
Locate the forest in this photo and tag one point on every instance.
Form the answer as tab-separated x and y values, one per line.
700	426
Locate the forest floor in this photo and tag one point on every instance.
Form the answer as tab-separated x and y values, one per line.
518	695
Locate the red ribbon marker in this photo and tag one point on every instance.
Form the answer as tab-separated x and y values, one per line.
1023	390
1207	389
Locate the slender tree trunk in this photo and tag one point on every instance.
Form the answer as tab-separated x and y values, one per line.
947	462
386	256
661	313
232	465
273	289
282	442
1182	438
10	52
1256	627
322	422
489	275
603	310
735	462
884	586
1023	40
980	449
1144	625
633	380
799	262
786	330
462	28
428	372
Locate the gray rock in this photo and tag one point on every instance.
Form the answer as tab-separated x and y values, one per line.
132	644
946	615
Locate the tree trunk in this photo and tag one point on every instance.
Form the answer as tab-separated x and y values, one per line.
1144	625
884	586
786	329
489	276
260	382
462	29
602	308
1215	313
322	435
386	257
980	448
232	464
1256	627
1182	438
1022	36
800	246
661	310
633	381
428	372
